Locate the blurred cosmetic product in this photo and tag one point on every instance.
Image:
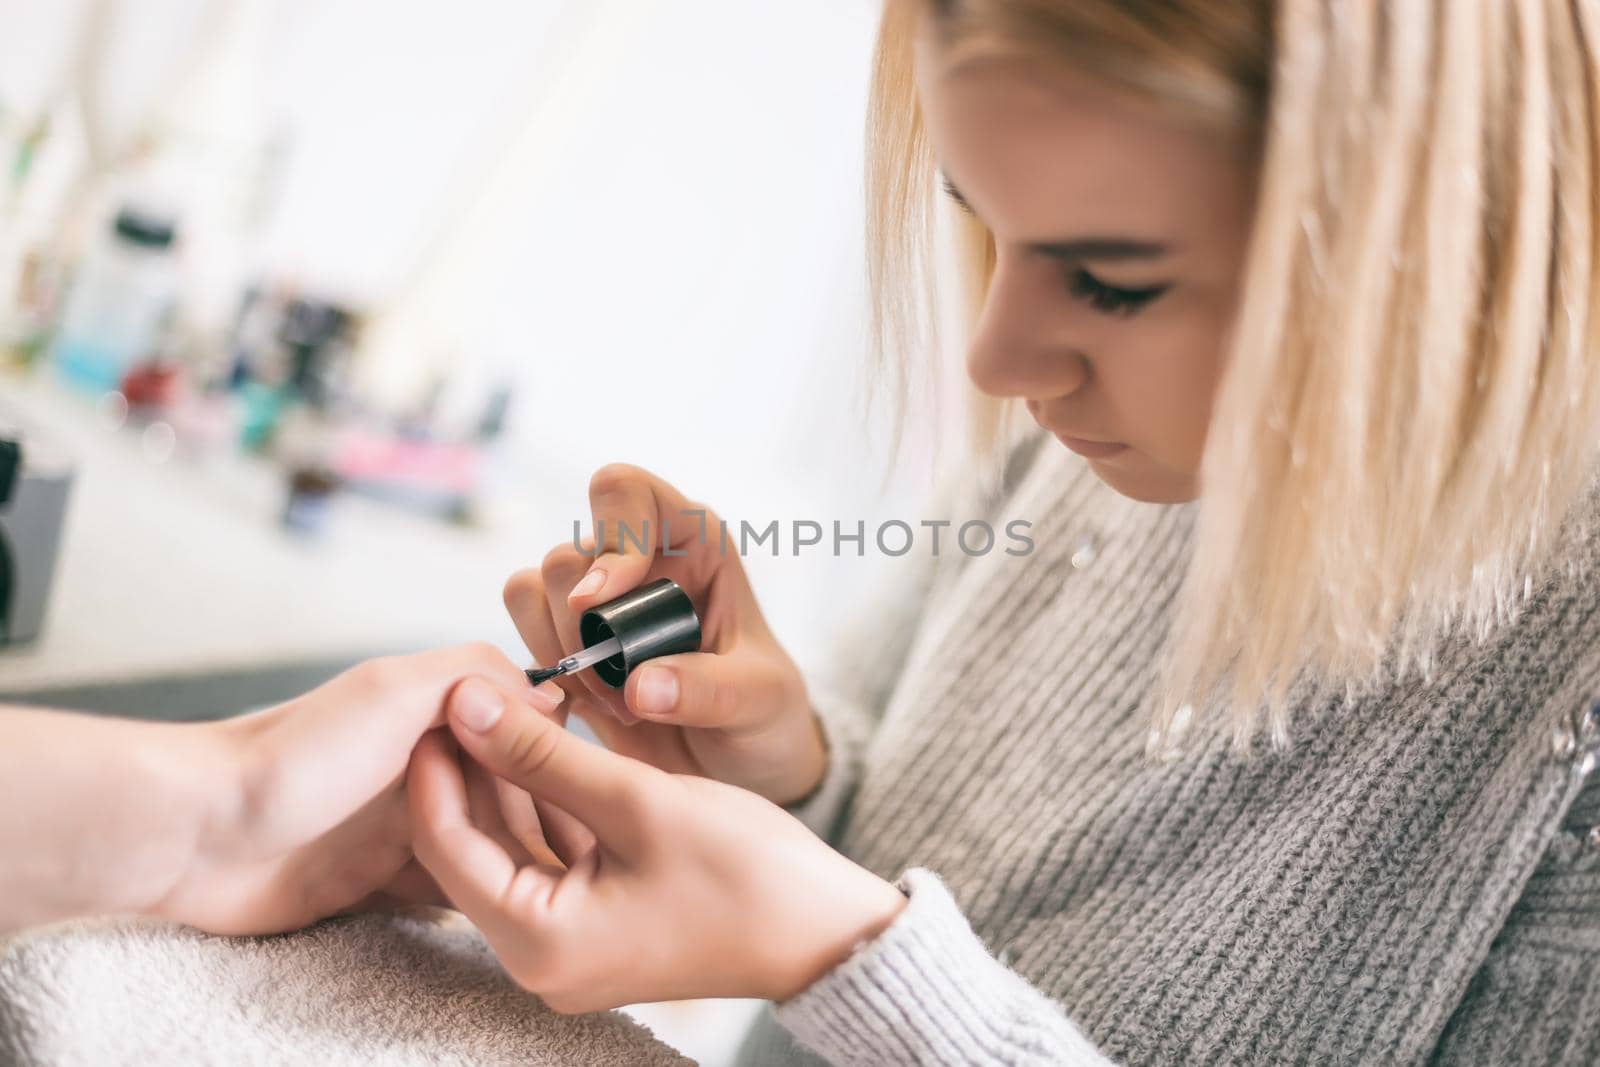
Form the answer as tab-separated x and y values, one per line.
120	303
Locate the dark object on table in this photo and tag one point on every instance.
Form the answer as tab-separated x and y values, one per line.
34	486
310	489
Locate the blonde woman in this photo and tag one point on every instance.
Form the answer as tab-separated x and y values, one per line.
1278	747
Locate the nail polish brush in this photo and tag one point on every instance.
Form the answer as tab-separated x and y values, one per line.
656	619
577	661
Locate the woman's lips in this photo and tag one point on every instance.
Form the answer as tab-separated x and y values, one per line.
1092	449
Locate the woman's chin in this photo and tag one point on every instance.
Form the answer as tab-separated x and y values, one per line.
1136	478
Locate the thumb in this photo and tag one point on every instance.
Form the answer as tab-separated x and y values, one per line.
603	790
712	689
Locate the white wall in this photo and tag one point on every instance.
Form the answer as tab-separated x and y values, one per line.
645	213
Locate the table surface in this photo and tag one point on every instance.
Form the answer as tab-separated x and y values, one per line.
181	566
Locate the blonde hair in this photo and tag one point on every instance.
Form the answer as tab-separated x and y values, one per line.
1411	404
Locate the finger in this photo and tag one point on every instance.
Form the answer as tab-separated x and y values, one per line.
569	839
711	690
523	823
561	570
525	600
484	809
532	610
330	751
636	515
404	695
608	793
474	872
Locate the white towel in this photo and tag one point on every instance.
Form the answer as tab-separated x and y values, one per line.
418	988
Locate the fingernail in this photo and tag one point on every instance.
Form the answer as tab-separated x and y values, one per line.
546	695
658	690
477	705
591	583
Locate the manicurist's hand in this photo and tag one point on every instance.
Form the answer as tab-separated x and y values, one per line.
688	887
737	711
311	817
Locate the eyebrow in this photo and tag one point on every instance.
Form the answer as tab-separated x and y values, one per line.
1101	248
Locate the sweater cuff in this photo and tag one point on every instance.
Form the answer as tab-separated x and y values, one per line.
926	990
844	732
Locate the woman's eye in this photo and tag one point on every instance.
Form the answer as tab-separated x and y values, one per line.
1111	299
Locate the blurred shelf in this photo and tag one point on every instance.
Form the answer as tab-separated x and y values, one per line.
182	568
186	697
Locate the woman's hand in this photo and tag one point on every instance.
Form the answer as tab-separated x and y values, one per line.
689	887
310	817
737	711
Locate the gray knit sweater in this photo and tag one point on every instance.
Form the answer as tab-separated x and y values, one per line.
1415	879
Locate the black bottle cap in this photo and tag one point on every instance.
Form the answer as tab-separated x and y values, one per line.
656	619
144	229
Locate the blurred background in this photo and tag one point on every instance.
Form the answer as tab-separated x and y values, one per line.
316	316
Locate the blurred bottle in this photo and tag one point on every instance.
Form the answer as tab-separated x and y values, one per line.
305	442
120	302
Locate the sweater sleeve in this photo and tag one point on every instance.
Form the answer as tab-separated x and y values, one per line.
926	990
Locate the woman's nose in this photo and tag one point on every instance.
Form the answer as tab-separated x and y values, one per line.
1017	349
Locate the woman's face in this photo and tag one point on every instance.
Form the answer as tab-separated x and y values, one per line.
1120	237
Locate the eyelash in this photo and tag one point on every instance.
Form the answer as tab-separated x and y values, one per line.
950	191
1110	299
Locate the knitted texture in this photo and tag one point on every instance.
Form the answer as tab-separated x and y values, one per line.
967	1007
1411	880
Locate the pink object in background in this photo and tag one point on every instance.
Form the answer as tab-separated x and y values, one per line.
432	475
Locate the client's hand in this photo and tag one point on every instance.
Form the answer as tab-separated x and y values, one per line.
687	887
313	816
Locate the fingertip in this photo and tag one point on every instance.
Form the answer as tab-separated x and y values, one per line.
617	573
592	582
476	705
655	690
517	723
547	695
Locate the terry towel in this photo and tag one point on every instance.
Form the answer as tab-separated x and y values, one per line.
418	988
